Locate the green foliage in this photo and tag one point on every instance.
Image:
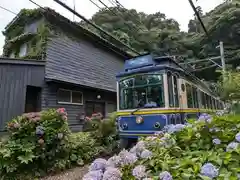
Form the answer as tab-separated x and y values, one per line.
183	153
103	130
230	84
15	35
38	143
83	148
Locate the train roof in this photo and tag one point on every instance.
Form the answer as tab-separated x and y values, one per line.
147	62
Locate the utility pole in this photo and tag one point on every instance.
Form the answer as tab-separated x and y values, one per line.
222	57
223	64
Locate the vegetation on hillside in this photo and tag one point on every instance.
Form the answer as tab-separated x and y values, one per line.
160	35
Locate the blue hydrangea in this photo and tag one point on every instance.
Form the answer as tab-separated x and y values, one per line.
138	148
139	172
165	176
232	146
237	137
93	175
127	158
214	129
159	133
114	161
112	174
167	141
205	118
172	128
39	130
98	164
146	154
216	141
209	170
220	113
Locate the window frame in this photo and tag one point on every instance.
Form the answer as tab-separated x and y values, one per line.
71	91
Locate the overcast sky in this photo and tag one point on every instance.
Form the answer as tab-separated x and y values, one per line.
179	10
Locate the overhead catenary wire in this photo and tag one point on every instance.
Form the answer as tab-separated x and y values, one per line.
95	26
8	10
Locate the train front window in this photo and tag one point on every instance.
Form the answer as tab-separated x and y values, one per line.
142	91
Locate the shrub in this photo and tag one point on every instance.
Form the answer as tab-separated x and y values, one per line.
103	130
83	148
38	143
204	149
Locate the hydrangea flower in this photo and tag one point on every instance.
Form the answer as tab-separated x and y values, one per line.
146	154
114	161
216	141
159	133
174	128
205	118
98	164
93	175
127	158
237	137
60	135
165	176
139	172
112	174
138	148
209	170
232	146
39	130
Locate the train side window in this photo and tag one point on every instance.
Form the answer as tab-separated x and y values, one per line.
189	95
195	97
206	100
203	100
175	91
170	89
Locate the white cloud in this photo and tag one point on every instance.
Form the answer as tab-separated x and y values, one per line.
179	10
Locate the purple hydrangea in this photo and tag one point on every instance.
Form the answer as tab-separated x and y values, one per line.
165	176
205	118
112	174
146	154
232	146
214	129
127	158
216	141
39	130
139	172
98	164
93	175
114	161
138	148
172	128
159	133
209	170
237	137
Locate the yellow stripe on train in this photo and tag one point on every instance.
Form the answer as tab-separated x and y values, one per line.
162	111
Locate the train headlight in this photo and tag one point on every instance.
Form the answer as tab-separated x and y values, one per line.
157	125
124	126
139	120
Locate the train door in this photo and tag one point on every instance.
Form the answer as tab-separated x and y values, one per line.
182	98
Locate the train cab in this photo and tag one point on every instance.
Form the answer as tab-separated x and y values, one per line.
156	91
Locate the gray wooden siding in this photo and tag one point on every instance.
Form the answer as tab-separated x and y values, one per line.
80	62
15	75
49	100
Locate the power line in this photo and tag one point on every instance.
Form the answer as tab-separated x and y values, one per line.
8	10
95	26
117	15
95	4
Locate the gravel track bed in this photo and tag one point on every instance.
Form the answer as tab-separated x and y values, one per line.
72	174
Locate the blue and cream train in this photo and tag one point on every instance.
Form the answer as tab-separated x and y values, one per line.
154	92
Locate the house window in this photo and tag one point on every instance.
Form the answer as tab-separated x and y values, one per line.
23	50
69	97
